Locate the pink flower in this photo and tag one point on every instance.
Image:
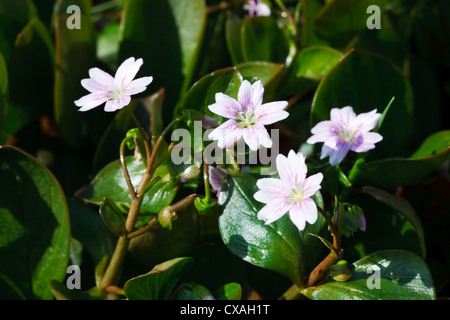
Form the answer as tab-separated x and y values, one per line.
117	91
291	193
257	8
346	131
248	116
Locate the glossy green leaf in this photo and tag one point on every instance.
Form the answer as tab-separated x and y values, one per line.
403	206
278	246
402	276
393	172
72	46
365	89
33	54
202	93
309	66
229	291
434	144
34	224
167	34
263	40
110	183
160	282
339	21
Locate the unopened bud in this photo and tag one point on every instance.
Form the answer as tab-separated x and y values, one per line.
165	218
340	271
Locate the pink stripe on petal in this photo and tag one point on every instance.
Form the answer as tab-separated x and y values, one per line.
342	116
366	121
298	167
93	86
312	184
297	217
309	210
272	112
245	94
257	94
101	77
138	85
225	106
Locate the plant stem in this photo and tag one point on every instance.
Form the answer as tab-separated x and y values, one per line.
115	265
125	169
143	134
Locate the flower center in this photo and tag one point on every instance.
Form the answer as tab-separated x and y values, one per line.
116	92
246	119
296	194
347	135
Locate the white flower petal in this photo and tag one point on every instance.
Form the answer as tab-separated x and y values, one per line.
138	85
245	94
365	122
257	94
272	112
101	77
127	71
225	106
90	101
312	184
342	116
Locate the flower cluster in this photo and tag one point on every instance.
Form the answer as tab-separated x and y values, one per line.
247	117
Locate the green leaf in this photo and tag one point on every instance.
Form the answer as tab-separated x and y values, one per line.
403	276
202	93
403	206
34	224
110	183
393	172
229	291
14	15
160	282
279	246
309	66
263	40
233	26
365	89
167	34
434	144
309	11
72	45
112	216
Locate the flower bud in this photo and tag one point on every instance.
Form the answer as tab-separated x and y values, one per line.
165	218
340	271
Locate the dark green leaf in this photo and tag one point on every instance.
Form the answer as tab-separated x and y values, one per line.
391	173
112	216
34	224
72	46
403	206
9	290
3	97
279	246
233	36
160	282
61	292
402	276
263	40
